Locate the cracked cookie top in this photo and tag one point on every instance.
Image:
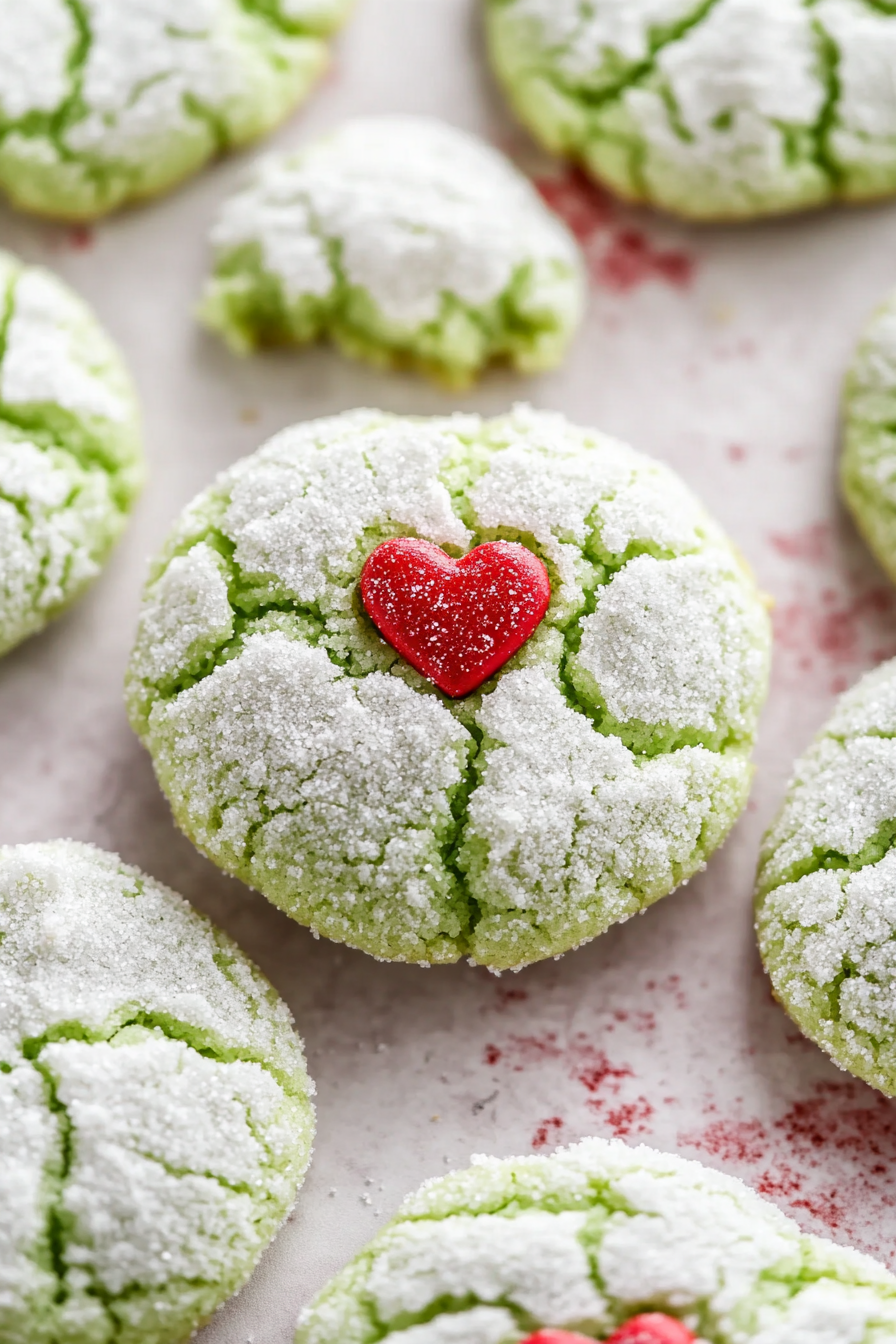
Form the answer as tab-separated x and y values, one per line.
108	101
868	462
588	1238
405	241
71	459
713	109
826	903
154	1105
589	777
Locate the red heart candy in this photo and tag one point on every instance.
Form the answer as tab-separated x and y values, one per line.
651	1328
455	621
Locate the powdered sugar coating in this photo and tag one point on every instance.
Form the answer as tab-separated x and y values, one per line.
155	1100
826	905
70	452
868	463
643	1231
115	99
404	240
302	753
710	108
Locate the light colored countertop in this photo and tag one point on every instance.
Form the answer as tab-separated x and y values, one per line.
718	350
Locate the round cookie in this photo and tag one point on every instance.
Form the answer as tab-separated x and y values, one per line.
108	101
712	109
71	457
591	775
406	242
154	1105
826	891
868	463
587	1239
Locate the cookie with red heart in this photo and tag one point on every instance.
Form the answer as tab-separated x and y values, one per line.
447	688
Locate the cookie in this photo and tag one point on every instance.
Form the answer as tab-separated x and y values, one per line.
587	777
868	462
154	1105
406	242
71	457
108	101
606	1240
826	893
731	109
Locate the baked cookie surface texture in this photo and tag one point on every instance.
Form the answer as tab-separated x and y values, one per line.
868	463
405	241
154	1106
588	1238
586	779
71	458
712	109
826	903
108	101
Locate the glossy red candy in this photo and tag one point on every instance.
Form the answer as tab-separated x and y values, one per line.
651	1328
455	621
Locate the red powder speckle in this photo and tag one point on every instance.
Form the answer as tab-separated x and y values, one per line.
491	1055
731	1140
812	543
547	1132
506	997
81	237
597	1070
619	256
632	1117
736	452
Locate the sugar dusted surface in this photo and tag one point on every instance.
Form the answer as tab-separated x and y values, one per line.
631	1230
155	1105
400	237
710	108
827	885
301	752
868	460
114	99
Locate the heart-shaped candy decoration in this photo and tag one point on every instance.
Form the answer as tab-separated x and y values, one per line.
651	1328
455	621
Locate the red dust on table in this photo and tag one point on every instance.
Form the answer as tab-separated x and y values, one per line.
548	1132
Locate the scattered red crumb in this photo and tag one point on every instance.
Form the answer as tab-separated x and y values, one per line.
547	1132
506	997
81	237
812	543
619	256
736	452
632	1117
836	628
491	1055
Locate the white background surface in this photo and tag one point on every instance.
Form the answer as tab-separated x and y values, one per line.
663	1029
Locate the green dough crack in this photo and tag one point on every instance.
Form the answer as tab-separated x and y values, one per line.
723	109
154	1096
108	101
71	458
590	777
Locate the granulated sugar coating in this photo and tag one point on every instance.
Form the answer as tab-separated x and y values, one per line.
589	1238
713	109
154	1105
107	101
406	242
826	905
71	459
588	778
868	464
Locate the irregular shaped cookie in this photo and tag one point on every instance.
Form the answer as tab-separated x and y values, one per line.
108	101
587	1239
71	457
154	1105
593	773
405	241
826	893
713	109
868	463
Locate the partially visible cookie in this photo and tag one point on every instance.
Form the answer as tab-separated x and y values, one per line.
868	463
405	241
108	101
71	458
826	902
724	110
155	1113
587	1240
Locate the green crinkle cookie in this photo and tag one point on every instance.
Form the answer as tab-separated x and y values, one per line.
108	101
71	457
586	1239
868	464
591	776
155	1111
405	241
712	109
826	903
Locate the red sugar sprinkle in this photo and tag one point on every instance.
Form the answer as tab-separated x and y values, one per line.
547	1132
81	237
